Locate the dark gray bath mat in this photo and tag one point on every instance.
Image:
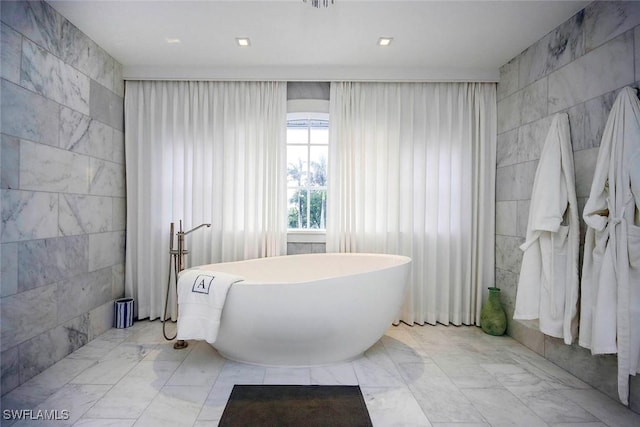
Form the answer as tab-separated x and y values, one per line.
294	406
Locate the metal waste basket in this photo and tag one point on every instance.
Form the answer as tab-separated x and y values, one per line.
123	313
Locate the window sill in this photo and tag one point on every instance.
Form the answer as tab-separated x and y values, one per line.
306	236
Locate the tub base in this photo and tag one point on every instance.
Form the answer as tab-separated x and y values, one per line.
279	365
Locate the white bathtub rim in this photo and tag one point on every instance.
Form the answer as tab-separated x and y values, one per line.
252	282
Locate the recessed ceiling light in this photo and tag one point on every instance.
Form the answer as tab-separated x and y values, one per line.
385	41
172	40
243	41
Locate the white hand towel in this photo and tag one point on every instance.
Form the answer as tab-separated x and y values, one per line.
201	298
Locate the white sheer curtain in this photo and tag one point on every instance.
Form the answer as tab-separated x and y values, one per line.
412	172
202	152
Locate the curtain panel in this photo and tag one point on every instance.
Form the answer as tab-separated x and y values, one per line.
202	152
412	172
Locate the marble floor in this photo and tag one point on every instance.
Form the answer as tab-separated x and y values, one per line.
413	376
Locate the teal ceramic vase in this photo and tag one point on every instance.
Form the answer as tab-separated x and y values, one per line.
493	318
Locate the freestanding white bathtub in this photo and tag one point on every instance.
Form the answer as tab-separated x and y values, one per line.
312	309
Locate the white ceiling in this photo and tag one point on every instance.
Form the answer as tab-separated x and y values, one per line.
290	40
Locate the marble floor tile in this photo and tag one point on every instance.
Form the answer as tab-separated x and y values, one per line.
393	407
174	406
471	376
166	352
549	371
341	374
501	408
608	411
404	348
130	351
206	423
199	368
216	401
552	406
376	369
96	349
43	385
108	371
74	398
442	401
114	422
240	373
131	396
293	376
441	376
593	424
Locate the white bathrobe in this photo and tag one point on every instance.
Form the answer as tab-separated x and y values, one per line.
610	289
549	283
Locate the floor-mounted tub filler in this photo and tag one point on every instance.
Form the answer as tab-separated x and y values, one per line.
296	310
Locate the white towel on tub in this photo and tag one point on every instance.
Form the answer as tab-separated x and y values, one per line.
201	297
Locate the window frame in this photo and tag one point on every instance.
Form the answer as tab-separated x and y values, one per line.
312	233
306	106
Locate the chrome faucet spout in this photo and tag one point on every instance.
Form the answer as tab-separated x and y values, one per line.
194	229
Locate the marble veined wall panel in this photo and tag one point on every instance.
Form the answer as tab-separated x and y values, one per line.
10	369
605	20
27	314
48	75
10	173
28	215
45	261
531	138
118	146
118	81
509	112
507	148
119	213
508	78
100	319
534	101
28	115
81	134
10	45
515	182
106	106
36	20
74	130
62	188
602	70
106	249
558	48
80	214
588	119
506	213
118	281
59	341
45	168
83	293
9	272
106	178
84	54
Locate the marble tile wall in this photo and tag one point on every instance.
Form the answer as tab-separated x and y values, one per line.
578	68
296	248
62	189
